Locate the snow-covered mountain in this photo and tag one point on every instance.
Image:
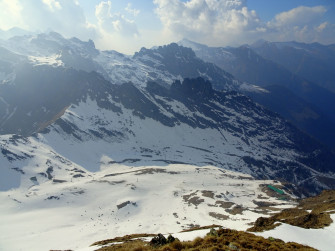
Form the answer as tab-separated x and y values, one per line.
162	64
15	31
235	133
40	74
186	156
182	61
304	69
293	95
81	207
314	61
311	62
105	156
188	123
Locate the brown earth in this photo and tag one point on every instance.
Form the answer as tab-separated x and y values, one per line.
320	207
122	239
220	240
312	212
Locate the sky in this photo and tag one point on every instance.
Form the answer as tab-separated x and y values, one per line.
128	25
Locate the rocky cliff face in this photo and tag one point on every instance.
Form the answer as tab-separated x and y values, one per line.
188	123
100	139
41	75
289	77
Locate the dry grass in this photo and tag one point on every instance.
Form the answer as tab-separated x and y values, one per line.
209	194
224	239
193	199
200	228
323	202
61	250
224	204
218	216
321	206
235	210
125	238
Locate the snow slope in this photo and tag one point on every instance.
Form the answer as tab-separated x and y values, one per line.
130	158
292	76
35	69
321	239
134	160
162	64
123	199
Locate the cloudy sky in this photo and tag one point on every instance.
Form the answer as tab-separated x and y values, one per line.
128	25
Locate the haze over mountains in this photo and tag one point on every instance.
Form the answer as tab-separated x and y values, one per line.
76	123
290	78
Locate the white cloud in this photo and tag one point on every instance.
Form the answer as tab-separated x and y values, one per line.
325	33
10	14
302	24
230	22
52	4
63	16
213	22
114	22
301	15
220	22
322	26
131	10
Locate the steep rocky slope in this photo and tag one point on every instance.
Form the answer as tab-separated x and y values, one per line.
296	97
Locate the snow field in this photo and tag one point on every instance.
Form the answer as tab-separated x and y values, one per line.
120	200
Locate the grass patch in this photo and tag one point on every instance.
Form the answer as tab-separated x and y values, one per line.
200	228
235	210
218	216
224	239
321	207
224	204
209	194
125	238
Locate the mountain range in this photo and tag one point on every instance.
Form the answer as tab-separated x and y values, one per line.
294	94
76	123
304	60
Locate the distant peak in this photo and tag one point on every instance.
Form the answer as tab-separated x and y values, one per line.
50	35
14	32
191	44
17	29
55	35
246	46
259	42
167	50
185	40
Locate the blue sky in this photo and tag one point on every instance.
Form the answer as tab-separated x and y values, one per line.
267	9
128	25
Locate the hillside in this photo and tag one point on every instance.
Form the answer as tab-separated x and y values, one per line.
297	97
320	207
86	155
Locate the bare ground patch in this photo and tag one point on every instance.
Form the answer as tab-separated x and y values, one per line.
218	216
320	207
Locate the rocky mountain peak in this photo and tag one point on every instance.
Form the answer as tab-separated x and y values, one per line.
169	51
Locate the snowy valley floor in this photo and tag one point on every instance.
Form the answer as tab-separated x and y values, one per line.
122	200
